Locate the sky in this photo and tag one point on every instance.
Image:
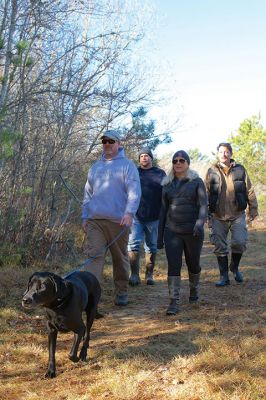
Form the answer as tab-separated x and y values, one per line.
212	54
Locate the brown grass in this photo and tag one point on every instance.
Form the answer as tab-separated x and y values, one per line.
213	350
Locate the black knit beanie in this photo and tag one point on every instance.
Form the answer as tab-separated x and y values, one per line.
183	154
146	150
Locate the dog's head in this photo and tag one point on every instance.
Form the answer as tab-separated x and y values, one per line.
43	289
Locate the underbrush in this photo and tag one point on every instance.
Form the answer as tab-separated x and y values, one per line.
212	350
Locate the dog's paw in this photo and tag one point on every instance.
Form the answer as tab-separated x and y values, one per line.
83	356
73	357
50	374
99	315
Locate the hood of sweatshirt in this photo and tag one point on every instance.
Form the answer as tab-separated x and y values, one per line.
120	154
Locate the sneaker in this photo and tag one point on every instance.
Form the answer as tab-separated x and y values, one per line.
121	300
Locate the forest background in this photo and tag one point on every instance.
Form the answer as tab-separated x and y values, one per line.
67	73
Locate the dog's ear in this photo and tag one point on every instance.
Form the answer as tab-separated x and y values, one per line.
59	285
30	278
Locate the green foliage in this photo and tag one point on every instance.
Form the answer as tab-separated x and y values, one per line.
16	61
196	155
7	140
12	254
12	76
2	42
142	132
22	45
2	79
26	190
262	203
29	61
249	148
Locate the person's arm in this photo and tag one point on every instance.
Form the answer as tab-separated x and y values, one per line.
86	199
162	219
133	189
202	216
252	212
207	187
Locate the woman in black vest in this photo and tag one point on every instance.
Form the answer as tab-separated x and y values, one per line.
183	214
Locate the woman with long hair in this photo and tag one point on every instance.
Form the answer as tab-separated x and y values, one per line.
182	218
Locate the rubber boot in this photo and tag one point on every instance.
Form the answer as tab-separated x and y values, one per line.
234	265
174	291
194	287
223	267
150	261
134	279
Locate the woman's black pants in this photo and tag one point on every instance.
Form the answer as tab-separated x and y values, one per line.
175	245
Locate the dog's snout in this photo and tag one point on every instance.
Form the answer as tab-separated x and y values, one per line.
26	301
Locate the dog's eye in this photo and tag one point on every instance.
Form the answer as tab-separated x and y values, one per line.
40	287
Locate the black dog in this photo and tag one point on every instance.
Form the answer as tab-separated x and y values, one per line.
64	300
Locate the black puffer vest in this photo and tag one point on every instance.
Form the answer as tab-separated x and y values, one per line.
239	179
183	203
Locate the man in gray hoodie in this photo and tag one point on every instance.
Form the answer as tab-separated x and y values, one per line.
111	199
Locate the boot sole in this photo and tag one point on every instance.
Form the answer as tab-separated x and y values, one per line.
226	284
134	283
193	301
134	280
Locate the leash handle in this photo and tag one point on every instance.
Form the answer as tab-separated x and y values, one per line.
98	254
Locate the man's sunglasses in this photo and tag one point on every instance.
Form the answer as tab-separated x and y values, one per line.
110	141
180	160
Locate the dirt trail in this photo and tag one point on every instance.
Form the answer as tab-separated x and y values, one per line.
147	304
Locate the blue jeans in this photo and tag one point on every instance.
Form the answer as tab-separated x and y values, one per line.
146	232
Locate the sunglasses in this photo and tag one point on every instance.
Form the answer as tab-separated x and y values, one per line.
109	141
180	161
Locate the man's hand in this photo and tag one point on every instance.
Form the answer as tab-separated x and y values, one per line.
251	215
209	221
127	220
160	244
85	224
198	228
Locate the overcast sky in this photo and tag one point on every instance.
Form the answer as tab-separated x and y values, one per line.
213	56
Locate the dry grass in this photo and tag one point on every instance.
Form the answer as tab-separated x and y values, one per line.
214	350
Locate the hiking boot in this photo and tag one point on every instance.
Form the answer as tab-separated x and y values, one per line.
134	279
121	300
173	307
150	261
234	265
194	286
223	267
174	290
239	277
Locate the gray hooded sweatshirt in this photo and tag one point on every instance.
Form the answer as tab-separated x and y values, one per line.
112	189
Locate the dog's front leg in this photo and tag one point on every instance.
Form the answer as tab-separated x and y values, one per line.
52	336
90	318
77	339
